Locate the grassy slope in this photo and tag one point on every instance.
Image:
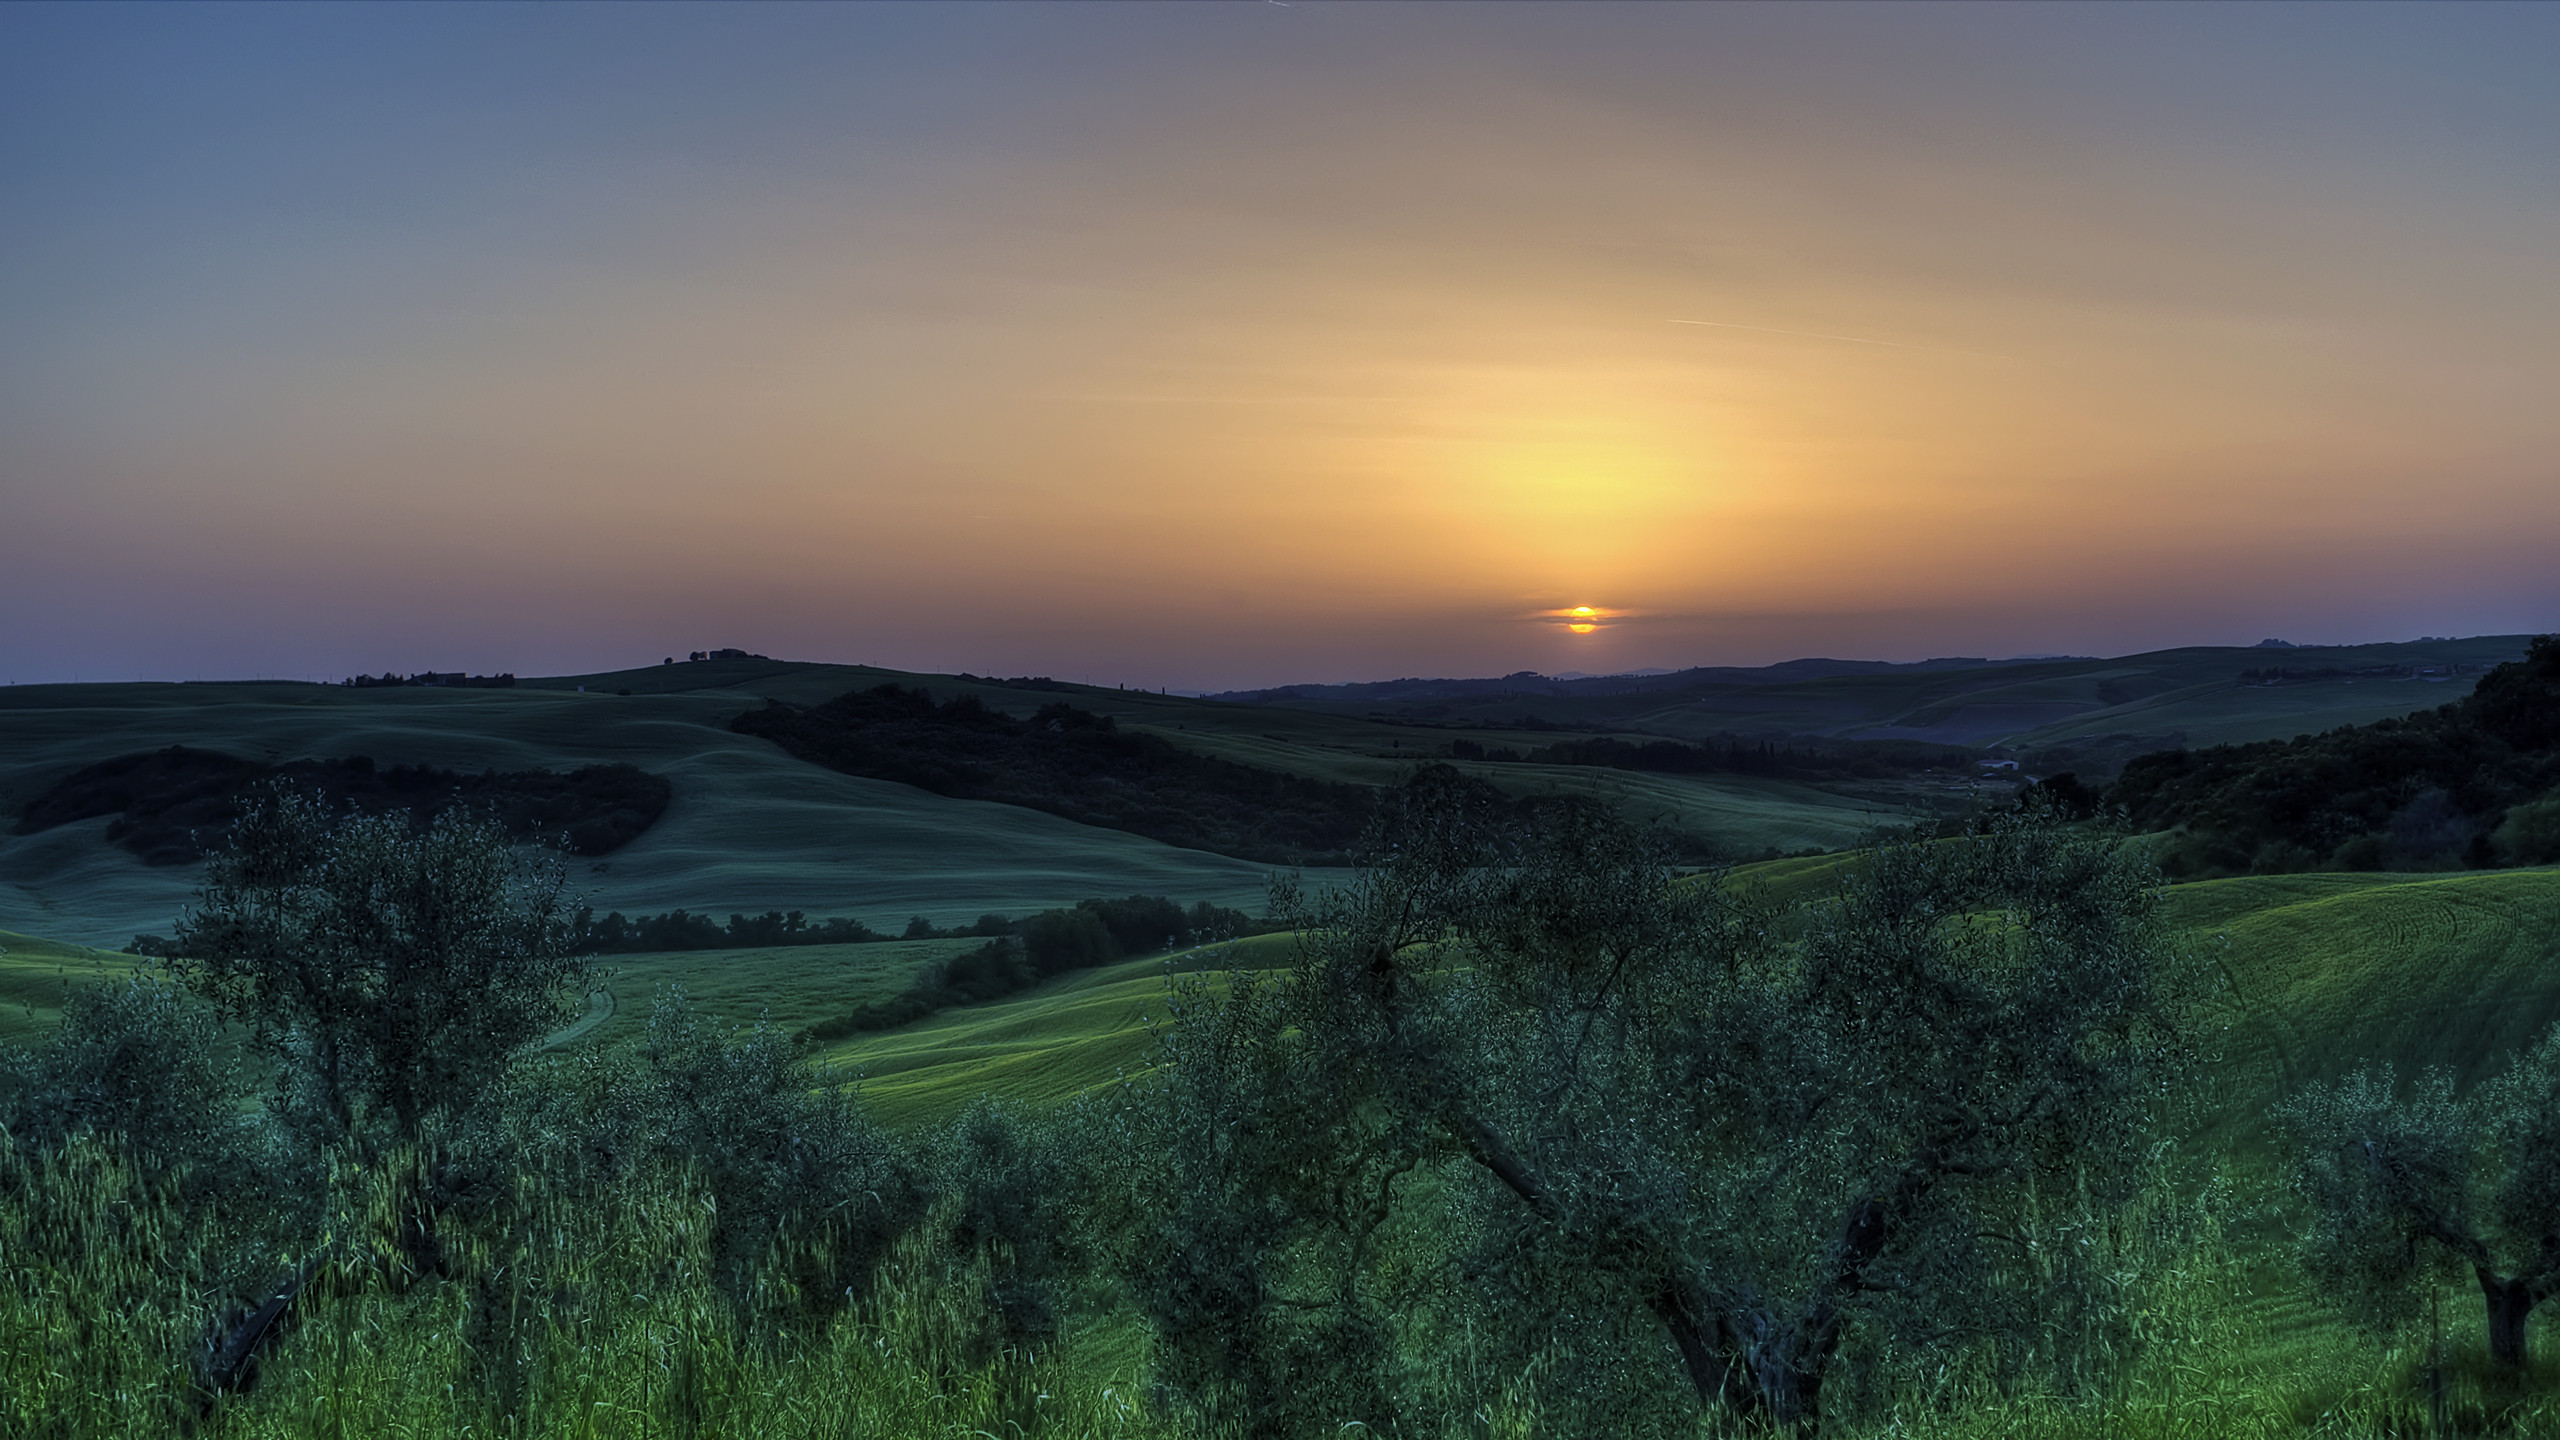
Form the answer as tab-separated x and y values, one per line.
2322	972
1073	1035
2317	973
37	975
749	829
752	830
2328	970
1744	814
793	987
2190	694
2325	971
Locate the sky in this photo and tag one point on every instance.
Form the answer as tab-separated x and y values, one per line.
1220	345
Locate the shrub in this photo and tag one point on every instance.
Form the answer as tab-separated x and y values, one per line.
2530	834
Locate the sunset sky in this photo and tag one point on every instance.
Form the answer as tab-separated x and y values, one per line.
1214	345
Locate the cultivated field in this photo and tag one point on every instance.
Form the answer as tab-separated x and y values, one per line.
749	829
2314	975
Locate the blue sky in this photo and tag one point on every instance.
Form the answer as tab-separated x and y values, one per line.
1217	345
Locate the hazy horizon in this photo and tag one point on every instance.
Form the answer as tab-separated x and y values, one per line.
1214	347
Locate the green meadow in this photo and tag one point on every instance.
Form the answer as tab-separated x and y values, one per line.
2316	974
2311	976
37	975
748	829
2186	696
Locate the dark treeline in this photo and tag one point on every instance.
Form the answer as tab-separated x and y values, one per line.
1018	954
1160	920
173	806
1023	953
2306	674
450	679
684	930
1072	763
2471	784
1020	682
1789	757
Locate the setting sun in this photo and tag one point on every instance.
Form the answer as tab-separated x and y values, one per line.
1581	619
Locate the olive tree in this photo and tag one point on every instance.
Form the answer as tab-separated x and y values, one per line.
2404	1185
135	1064
1525	1092
392	970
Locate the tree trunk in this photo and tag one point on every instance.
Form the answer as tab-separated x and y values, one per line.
2510	1305
1789	1376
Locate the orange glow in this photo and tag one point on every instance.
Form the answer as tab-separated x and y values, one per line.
1582	619
1951	332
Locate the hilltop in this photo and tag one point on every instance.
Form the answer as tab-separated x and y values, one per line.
747	827
2056	713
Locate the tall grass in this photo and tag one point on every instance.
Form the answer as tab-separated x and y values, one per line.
602	1316
571	1315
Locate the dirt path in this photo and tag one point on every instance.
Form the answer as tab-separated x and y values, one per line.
599	1010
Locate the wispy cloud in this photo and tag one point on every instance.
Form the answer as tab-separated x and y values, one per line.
1825	335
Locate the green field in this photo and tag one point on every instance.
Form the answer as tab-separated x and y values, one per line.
2311	976
749	829
793	987
37	975
2319	972
2187	696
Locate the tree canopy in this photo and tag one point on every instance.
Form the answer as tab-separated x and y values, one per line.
2407	1183
392	970
2439	789
1525	1085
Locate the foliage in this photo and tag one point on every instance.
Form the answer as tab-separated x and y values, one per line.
391	972
2064	794
700	1235
777	1146
1794	757
593	1313
1073	763
1523	1089
2424	792
448	679
683	930
2530	835
123	1136
130	1061
2407	1189
173	806
130	1103
1051	943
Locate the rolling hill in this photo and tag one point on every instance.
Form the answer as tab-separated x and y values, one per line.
2317	974
748	828
2094	712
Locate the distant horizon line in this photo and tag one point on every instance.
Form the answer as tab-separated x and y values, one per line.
1643	672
